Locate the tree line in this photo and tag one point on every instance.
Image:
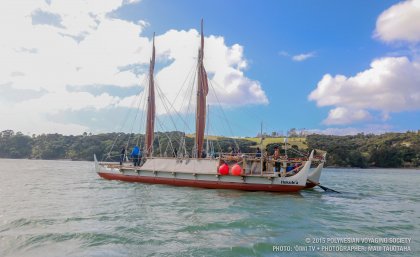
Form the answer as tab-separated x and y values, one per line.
390	150
106	146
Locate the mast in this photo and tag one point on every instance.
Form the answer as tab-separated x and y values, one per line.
202	91
207	143
261	149
151	107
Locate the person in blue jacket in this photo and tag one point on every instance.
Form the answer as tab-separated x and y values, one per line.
136	155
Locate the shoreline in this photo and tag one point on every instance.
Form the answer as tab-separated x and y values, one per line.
326	167
372	168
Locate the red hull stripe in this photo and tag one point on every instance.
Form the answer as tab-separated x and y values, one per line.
202	183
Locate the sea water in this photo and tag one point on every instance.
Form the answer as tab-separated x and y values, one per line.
62	208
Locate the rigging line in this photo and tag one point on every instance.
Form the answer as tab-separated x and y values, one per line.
190	87
182	147
108	155
186	96
224	119
207	127
158	131
190	101
218	116
190	105
142	118
251	114
217	141
185	146
161	96
122	125
133	124
176	97
164	128
125	120
296	151
183	84
143	100
134	121
191	93
166	150
164	98
169	139
160	147
221	108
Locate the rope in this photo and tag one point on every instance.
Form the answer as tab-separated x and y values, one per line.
224	115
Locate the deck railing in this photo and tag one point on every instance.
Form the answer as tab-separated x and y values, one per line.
251	163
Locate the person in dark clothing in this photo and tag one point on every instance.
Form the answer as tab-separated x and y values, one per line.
258	154
122	155
203	154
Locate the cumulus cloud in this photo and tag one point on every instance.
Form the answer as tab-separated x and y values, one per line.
66	51
401	22
342	115
391	84
224	65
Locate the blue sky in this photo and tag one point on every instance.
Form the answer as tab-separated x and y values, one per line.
288	48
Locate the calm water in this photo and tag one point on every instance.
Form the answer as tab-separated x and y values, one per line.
62	208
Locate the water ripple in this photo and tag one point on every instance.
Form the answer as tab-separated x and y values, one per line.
59	208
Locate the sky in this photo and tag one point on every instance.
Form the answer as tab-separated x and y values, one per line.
332	67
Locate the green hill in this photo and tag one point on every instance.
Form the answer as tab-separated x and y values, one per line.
300	142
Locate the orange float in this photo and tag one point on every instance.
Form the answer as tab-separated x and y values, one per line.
224	169
236	170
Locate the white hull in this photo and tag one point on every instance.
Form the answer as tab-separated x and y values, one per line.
159	171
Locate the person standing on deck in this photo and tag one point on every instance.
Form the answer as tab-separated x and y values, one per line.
258	154
203	154
122	155
135	154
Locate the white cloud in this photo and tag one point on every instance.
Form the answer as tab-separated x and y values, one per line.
225	63
298	57
48	46
400	22
303	57
391	84
342	115
368	129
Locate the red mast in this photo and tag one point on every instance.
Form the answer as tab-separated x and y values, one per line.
202	91
151	107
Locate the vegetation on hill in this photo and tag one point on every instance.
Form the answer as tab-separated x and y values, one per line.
82	147
390	150
300	142
387	150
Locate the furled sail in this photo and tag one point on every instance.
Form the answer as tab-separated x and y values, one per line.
151	107
202	91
